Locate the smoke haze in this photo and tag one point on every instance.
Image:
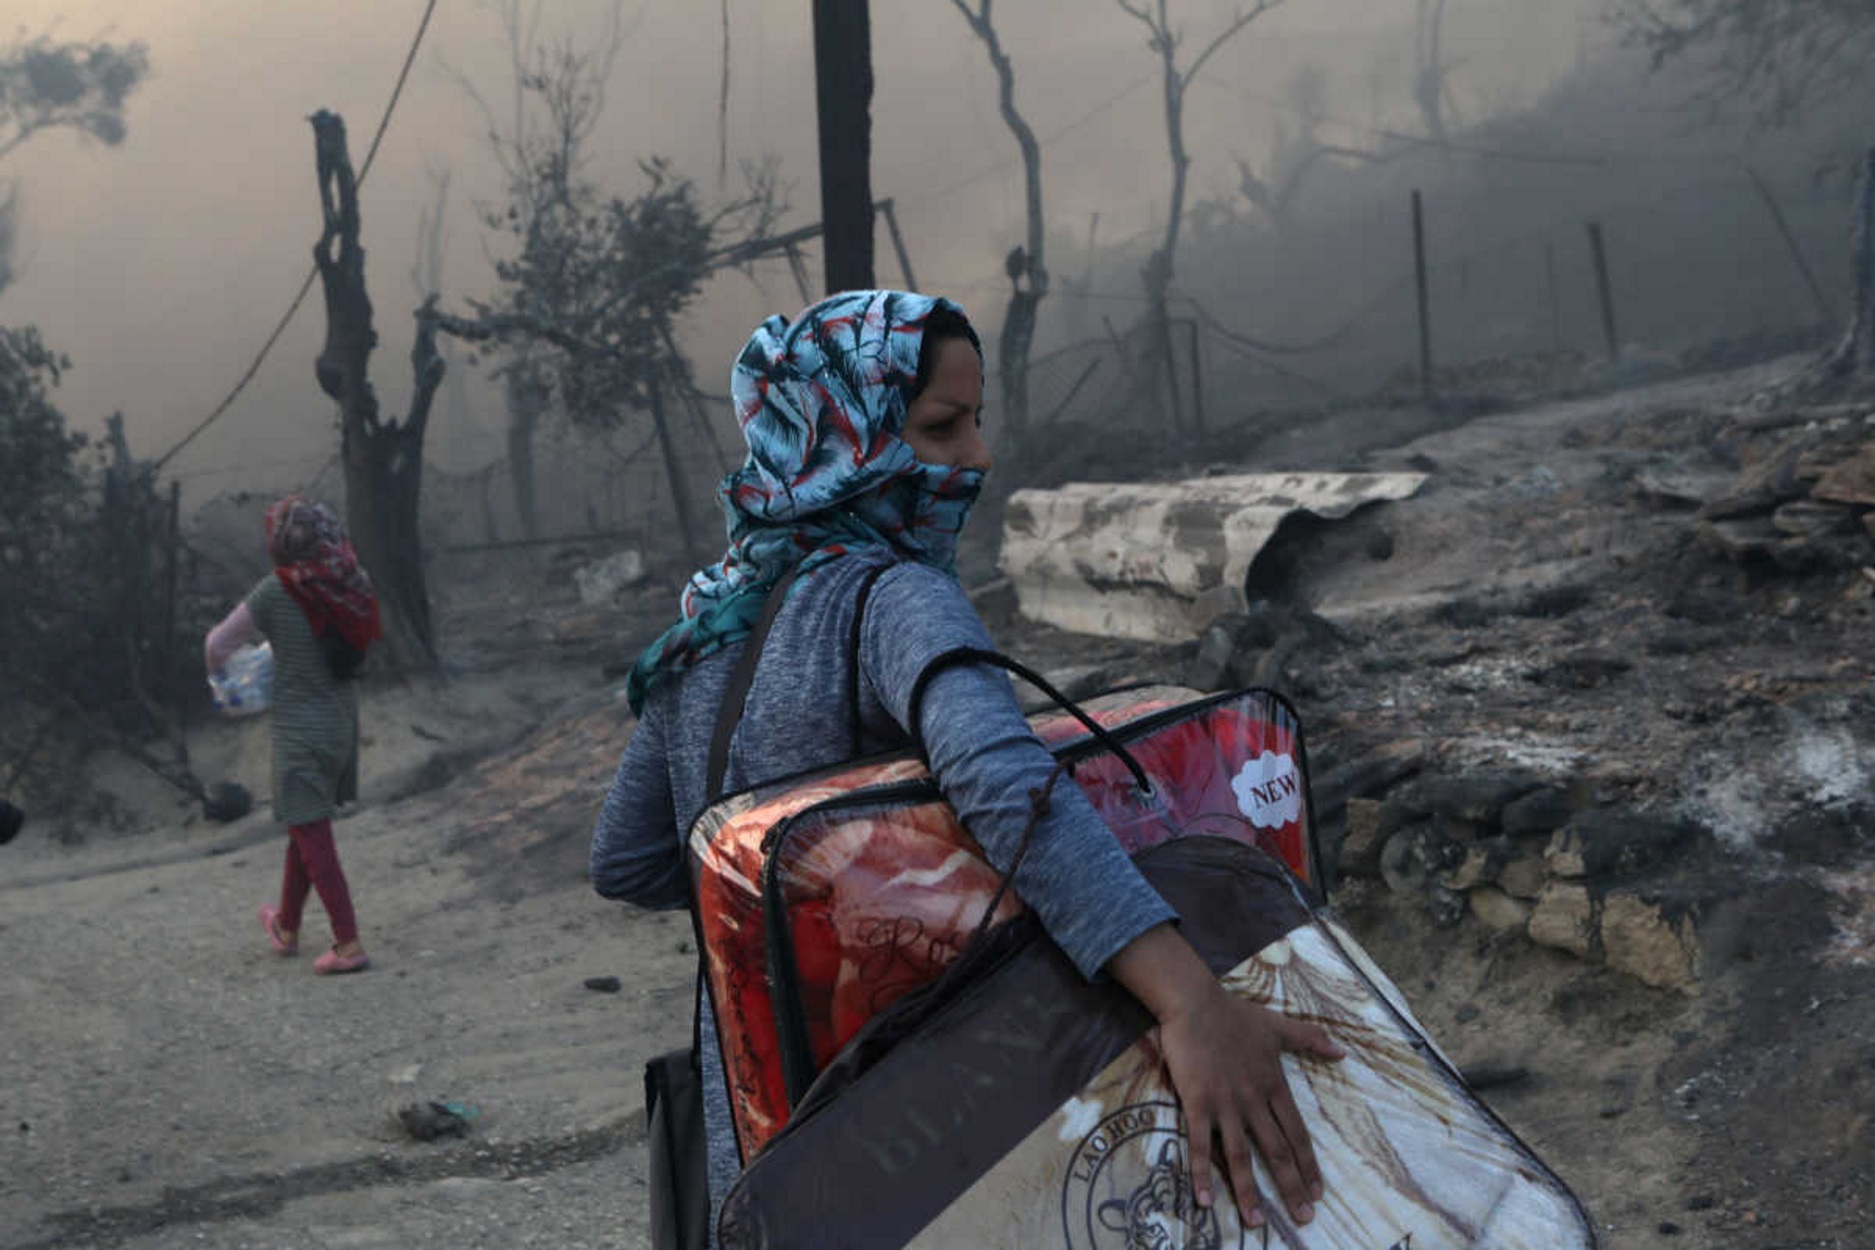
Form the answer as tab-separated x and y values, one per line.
160	266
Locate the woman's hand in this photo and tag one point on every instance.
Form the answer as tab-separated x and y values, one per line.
1225	1059
1224	1055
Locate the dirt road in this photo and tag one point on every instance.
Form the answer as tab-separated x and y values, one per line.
166	1080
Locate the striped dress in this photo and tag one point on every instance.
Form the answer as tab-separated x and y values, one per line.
315	715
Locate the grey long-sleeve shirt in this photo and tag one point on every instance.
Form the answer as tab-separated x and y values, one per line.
1088	895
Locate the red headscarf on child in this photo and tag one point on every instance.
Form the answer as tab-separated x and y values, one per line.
316	563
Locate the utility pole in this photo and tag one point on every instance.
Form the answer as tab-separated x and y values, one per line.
1424	298
1598	253
843	94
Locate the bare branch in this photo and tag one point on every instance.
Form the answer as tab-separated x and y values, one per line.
1781	55
1139	12
1224	36
500	325
496	145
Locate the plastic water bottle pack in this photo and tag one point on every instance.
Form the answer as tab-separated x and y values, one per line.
243	686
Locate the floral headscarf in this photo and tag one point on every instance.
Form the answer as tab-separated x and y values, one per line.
316	563
822	406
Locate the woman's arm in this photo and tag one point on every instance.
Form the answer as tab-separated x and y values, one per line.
637	855
1223	1053
1073	874
236	630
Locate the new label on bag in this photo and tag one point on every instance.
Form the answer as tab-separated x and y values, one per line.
1269	790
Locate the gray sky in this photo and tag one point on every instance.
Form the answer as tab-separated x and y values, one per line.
161	265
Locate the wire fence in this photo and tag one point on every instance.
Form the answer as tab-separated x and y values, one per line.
1710	268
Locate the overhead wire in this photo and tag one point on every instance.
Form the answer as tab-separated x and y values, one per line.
286	319
911	202
218	470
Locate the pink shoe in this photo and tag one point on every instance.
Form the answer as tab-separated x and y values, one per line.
270	921
332	963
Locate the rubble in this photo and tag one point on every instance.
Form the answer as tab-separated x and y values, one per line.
1644	938
1364	837
1544	810
1647	666
1565	714
1519	854
1848	481
1609	843
1498	910
1564	917
1802	501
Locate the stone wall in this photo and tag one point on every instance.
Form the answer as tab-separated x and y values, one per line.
1521	853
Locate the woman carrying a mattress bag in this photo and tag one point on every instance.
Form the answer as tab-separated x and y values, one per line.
863	420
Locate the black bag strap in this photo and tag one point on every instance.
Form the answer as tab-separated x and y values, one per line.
736	694
855	674
961	656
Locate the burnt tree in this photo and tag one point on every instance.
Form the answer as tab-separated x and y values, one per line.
1849	366
1778	57
46	86
1277	191
382	457
591	304
426	279
1164	38
1856	352
557	98
1432	73
1025	265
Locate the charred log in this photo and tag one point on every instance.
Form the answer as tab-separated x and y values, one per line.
382	457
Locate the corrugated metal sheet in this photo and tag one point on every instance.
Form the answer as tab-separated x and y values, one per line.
1158	561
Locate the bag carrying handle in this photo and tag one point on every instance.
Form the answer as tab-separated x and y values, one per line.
996	659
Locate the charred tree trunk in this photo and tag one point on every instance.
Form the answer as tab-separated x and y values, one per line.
457	422
843	91
383	458
1850	365
1431	71
526	396
1856	353
1026	266
1157	277
1158	273
674	472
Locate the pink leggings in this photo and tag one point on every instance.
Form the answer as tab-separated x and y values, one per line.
312	863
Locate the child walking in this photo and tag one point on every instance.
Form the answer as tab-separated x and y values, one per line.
319	612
